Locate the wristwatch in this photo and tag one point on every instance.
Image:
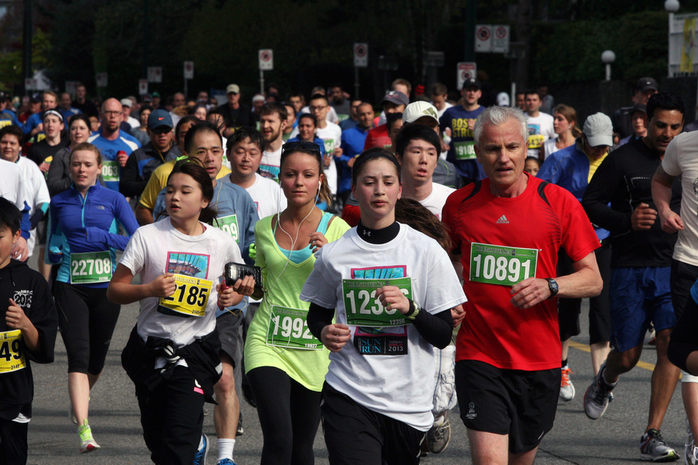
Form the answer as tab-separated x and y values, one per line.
552	285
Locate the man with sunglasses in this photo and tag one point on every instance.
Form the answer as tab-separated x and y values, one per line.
142	162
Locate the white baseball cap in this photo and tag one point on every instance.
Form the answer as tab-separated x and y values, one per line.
416	110
599	130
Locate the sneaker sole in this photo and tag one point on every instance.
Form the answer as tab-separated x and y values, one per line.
90	448
671	457
585	406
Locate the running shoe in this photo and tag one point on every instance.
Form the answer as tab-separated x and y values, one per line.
596	397
200	457
240	430
690	451
225	462
439	436
566	386
87	442
653	447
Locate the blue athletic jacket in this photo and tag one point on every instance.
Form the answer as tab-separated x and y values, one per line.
89	224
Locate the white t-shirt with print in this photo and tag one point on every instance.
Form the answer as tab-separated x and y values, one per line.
271	163
540	129
159	247
398	386
267	195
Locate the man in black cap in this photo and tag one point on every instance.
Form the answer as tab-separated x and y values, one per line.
142	162
457	122
393	102
638	117
622	117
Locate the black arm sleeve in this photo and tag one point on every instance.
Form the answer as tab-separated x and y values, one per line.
436	329
599	193
131	184
318	318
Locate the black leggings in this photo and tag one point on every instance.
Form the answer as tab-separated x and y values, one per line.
86	320
600	326
289	415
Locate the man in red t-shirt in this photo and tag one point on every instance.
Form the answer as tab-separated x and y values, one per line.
508	229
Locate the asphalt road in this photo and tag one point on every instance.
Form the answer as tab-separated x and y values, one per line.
115	422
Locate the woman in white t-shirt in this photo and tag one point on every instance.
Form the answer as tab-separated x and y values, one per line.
565	126
173	354
379	387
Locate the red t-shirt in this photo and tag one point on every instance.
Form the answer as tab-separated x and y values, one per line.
378	137
494	331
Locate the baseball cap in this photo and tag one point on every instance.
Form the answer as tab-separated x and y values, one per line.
396	97
639	107
155	94
599	130
503	99
646	83
232	89
147	98
159	118
126	102
471	82
36	97
416	110
258	98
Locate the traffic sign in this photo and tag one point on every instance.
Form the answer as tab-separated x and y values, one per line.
500	39
466	70
361	55
188	70
102	80
266	59
142	86
483	38
155	74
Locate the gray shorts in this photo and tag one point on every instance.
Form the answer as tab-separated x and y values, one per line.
229	327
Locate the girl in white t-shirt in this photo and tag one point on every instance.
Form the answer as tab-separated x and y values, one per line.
565	126
173	354
393	289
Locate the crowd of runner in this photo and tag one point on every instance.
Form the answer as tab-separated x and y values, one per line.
370	268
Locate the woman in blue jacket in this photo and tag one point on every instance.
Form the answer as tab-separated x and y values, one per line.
85	222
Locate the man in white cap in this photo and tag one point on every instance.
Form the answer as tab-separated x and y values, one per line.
236	114
126	104
572	168
641	254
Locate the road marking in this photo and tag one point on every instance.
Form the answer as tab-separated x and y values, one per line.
586	348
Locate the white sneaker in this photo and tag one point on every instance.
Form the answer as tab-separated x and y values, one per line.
87	442
654	448
566	387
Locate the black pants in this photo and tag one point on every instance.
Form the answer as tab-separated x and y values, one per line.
600	326
355	435
289	415
172	417
13	442
87	321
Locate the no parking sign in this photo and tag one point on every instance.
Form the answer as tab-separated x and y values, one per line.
266	59
360	55
466	70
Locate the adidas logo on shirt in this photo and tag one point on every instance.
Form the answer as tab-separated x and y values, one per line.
503	220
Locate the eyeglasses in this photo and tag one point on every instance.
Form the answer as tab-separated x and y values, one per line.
319	108
112	113
300	145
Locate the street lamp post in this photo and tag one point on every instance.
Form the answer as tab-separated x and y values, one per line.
607	58
672	6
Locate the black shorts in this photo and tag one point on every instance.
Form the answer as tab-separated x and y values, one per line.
355	435
683	276
13	440
229	327
519	403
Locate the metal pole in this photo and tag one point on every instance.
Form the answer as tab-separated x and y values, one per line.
512	103
671	21
27	45
261	82
470	20
608	71
356	82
